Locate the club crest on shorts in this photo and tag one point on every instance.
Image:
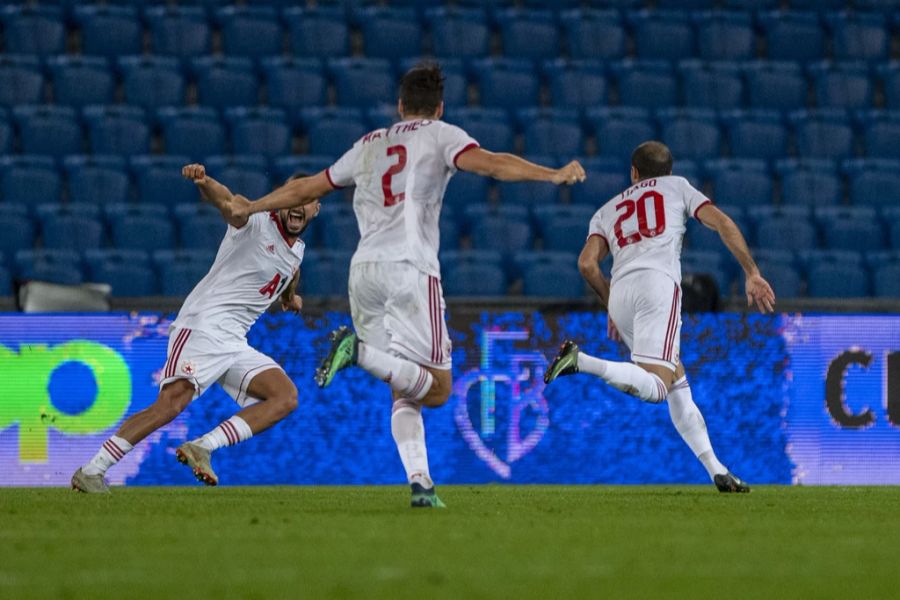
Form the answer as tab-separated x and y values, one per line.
188	368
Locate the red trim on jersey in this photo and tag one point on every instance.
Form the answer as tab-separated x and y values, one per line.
600	235
702	204
331	181
284	235
471	146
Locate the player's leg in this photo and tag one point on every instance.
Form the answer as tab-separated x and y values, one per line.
691	426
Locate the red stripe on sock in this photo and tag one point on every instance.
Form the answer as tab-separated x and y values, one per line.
227	434
234	432
114	450
420	382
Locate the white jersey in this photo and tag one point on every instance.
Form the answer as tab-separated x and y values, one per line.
401	174
253	266
644	225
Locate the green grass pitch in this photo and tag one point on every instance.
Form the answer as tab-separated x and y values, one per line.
492	542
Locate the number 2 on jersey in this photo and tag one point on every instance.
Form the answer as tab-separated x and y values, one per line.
390	198
643	228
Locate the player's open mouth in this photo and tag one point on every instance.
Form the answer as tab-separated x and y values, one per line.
295	219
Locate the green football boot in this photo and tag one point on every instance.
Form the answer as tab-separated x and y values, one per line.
565	363
424	498
343	353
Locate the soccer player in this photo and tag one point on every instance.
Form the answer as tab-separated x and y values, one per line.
643	228
258	261
396	299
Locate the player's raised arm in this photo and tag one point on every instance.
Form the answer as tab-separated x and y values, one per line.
296	192
758	289
509	167
214	192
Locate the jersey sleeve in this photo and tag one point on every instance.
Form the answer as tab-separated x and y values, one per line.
596	227
453	142
254	223
694	199
340	174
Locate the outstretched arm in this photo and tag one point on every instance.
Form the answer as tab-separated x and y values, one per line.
214	192
758	289
509	167
294	193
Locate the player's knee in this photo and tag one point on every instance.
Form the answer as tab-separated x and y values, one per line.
440	389
287	401
171	402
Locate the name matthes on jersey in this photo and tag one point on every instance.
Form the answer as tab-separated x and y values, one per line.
401	174
253	266
644	226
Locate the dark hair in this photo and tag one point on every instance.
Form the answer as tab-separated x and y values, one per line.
422	89
652	159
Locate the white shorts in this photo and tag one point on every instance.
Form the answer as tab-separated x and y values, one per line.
399	309
646	308
205	360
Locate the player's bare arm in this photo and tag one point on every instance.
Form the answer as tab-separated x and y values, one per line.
290	301
758	290
509	167
593	253
215	193
296	192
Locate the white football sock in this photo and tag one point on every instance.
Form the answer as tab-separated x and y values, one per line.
690	424
227	433
405	377
112	451
408	430
626	377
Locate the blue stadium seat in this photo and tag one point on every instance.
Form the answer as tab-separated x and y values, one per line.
776	85
450	259
819	5
833	274
81	80
339	221
606	177
850	228
224	82
71	232
6	284
332	131
29	180
784	279
318	32
142	232
390	33
325	273
465	189
708	262
474	279
784	227
21	80
890	78
117	129
109	31
531	193
504	228
823	134
726	36
881	135
489	126
128	272
159	180
891	216
793	35
740	182
18	228
810	182
50	130
287	166
690	133
181	270
690	170
577	84
711	85
363	82
200	226
459	32
595	34
646	84
859	36
550	275
35	30
258	130
564	227
152	82
529	34
886	279
179	31
619	130
756	134
382	117
54	266
497	76
246	175
553	132
843	85
294	83
873	182
251	31
194	132
97	179
450	229
663	35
